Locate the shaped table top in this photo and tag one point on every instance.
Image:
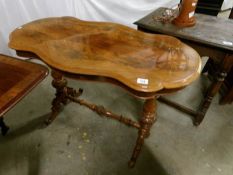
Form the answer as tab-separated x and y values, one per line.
143	62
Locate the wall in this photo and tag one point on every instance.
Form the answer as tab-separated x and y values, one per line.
14	13
227	4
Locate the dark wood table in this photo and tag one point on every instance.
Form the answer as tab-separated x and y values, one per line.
146	65
17	79
227	89
211	36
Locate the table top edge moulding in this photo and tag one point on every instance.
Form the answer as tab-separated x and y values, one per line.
143	62
211	38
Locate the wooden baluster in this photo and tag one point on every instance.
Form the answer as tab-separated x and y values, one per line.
214	88
147	120
59	83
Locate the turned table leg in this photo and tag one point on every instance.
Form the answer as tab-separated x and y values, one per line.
146	122
59	83
214	88
3	126
63	93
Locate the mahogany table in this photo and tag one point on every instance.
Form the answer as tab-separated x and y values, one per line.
146	65
211	36
17	79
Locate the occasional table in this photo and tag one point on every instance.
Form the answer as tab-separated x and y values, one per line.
211	36
17	79
145	65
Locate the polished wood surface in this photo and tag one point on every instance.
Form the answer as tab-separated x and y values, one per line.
145	65
211	67
17	78
212	37
110	50
186	16
208	30
135	93
147	120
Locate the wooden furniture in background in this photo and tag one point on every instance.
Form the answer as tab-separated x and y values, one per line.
226	90
17	79
211	36
146	65
211	7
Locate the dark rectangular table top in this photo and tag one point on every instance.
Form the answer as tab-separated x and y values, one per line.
17	78
210	30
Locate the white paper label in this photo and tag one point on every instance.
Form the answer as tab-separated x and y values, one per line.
194	4
191	14
142	81
227	43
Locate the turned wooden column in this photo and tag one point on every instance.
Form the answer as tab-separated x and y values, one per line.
146	122
63	93
214	88
59	83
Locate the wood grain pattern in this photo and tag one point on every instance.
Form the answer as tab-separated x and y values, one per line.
146	122
135	93
109	50
17	78
111	53
209	30
212	37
